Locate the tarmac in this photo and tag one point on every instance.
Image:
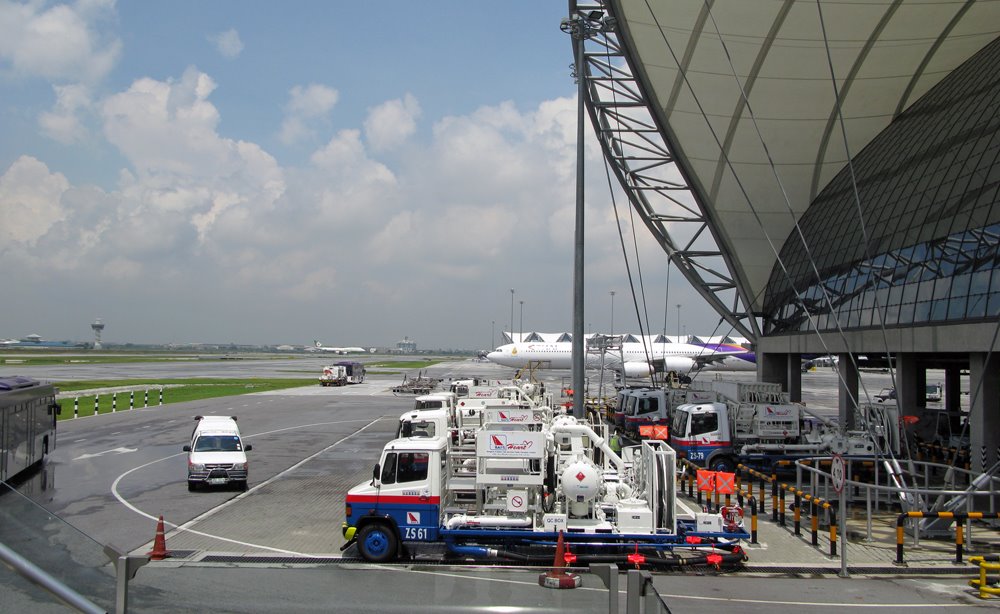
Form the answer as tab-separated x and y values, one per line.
253	528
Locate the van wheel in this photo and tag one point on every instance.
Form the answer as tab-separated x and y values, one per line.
377	543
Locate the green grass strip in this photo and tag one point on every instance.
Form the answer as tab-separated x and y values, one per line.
173	391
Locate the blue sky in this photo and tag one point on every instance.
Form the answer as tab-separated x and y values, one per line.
259	172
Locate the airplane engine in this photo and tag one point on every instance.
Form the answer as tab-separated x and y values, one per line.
637	369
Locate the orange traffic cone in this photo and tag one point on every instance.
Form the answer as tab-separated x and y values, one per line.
558	578
159	551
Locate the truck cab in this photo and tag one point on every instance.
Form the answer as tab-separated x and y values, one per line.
403	500
700	433
438	400
645	408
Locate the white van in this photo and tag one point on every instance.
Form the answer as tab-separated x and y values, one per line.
216	454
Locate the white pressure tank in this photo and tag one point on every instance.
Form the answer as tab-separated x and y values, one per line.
581	481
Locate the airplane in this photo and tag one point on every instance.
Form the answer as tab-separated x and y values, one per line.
319	347
736	358
635	359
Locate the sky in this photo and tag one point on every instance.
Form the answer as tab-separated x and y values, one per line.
271	173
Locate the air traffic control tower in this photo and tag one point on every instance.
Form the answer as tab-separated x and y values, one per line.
825	174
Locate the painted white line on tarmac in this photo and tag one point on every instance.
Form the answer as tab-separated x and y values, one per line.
184	527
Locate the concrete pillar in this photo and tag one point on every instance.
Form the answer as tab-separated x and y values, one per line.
920	386
984	413
847	397
953	389
906	385
794	378
773	368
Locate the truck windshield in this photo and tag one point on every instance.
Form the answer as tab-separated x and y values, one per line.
218	443
404	467
678	426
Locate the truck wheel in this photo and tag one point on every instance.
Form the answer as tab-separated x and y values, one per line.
377	543
191	486
723	464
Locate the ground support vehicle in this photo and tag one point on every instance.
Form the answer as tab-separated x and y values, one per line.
534	479
333	375
28	411
756	425
885	395
355	371
216	454
647	411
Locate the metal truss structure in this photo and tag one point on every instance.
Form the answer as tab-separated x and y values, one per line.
636	148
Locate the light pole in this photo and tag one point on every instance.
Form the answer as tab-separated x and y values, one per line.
521	325
493	333
678	322
612	313
581	27
512	315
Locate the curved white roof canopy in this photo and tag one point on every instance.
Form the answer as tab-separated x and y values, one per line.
692	59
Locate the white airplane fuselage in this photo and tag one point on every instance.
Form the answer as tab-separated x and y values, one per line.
634	358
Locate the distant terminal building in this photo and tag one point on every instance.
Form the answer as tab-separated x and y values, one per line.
406	346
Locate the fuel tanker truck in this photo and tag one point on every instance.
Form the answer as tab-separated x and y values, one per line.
536	479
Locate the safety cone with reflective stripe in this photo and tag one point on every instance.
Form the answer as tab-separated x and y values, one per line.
159	551
558	578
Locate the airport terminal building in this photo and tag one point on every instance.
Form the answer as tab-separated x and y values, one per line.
824	173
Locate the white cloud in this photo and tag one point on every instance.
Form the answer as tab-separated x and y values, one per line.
63	42
306	106
233	237
30	202
63	122
228	43
392	122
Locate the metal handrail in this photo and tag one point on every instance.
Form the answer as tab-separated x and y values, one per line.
37	575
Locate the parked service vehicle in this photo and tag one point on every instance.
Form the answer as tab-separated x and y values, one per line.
355	371
333	375
886	394
933	392
535	478
755	424
216	454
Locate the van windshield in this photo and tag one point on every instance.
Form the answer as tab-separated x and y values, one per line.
218	443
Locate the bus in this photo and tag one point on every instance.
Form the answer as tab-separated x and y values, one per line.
28	411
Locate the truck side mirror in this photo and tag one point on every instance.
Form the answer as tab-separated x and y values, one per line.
186	448
376	472
248	447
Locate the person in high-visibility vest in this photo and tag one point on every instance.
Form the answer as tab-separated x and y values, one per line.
616	443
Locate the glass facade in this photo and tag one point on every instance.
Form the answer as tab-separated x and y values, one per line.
928	191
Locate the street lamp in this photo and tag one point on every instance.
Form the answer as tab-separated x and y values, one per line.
521	325
493	333
678	322
512	314
612	313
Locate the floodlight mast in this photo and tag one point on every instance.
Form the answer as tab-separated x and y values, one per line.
580	27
